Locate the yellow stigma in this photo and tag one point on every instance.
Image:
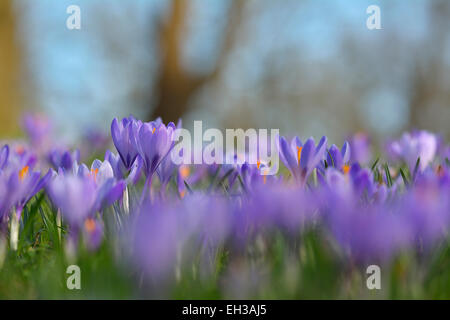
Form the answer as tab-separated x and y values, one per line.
94	173
346	168
89	225
153	131
23	172
185	171
299	153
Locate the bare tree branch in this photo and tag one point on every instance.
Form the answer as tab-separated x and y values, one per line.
175	85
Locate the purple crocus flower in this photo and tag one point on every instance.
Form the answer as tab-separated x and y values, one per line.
413	145
361	147
82	193
155	141
339	159
21	186
38	128
75	196
108	188
7	198
60	158
23	181
28	185
368	234
301	159
125	134
155	235
93	233
4	155
167	167
426	209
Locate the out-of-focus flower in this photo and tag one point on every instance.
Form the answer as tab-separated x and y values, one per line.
4	155
38	129
155	237
413	145
369	234
361	147
64	159
93	233
426	209
96	142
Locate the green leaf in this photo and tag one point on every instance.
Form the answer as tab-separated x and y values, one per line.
225	176
388	175
187	186
242	183
405	180
331	157
375	164
416	169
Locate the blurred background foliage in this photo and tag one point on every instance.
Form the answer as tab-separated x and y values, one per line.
304	66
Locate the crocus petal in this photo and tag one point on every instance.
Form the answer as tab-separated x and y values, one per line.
289	159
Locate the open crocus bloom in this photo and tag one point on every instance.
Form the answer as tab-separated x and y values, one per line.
154	143
339	159
125	134
82	193
301	159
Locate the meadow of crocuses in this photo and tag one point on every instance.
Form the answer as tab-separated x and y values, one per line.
139	226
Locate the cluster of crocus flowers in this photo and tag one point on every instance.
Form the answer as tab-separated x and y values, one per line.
19	182
166	215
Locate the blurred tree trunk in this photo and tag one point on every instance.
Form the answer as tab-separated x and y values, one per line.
9	70
175	86
427	78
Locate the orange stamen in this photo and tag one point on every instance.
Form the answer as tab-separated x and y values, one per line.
89	225
23	172
346	168
299	153
185	171
182	194
153	131
265	175
258	164
94	173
